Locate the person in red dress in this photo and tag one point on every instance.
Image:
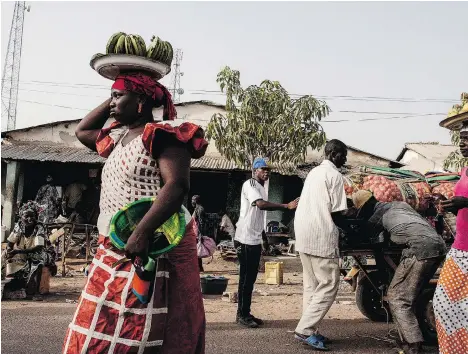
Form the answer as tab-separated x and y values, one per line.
144	159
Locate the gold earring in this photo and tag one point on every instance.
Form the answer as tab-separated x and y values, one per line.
140	106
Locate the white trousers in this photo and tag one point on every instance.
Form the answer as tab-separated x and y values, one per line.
321	281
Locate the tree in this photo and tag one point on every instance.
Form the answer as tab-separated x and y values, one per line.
265	121
455	160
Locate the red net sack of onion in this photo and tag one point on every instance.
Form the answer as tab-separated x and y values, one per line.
387	190
445	188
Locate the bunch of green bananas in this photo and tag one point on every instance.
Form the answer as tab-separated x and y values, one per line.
160	50
121	43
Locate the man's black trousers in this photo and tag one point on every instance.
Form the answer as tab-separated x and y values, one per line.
249	261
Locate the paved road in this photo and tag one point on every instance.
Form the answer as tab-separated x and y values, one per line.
40	329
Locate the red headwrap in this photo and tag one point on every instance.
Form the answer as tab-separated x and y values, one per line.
145	85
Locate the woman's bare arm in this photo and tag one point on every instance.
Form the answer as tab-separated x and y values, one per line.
88	129
174	164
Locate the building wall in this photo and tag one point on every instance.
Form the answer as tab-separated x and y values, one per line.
355	158
63	133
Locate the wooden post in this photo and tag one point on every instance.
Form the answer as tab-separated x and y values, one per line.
87	243
67	230
11	195
64	248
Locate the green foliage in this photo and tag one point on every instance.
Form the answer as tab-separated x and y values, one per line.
455	160
264	121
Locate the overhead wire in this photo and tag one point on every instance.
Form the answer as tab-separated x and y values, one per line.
54	105
79	86
401	115
382	118
61	93
361	98
322	121
218	92
337	111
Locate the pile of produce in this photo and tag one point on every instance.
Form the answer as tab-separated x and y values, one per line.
445	188
459	108
133	44
443	183
390	185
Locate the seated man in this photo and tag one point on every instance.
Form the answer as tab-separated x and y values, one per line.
420	260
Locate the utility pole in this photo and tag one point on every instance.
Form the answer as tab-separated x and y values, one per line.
11	70
175	89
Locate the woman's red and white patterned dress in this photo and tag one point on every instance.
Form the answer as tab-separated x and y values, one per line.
109	318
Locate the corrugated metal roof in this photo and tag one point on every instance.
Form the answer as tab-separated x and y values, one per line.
222	164
30	151
34	151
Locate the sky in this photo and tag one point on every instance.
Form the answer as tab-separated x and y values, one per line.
394	51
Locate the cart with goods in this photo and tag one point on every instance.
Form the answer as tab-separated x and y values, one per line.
370	280
416	189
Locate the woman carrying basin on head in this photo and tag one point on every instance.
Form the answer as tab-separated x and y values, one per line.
144	159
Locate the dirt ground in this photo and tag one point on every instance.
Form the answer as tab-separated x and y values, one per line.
279	305
280	302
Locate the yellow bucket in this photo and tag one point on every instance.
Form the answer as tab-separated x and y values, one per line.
274	273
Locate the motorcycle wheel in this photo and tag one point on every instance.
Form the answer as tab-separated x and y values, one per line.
369	301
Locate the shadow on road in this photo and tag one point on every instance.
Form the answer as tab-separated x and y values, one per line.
41	329
348	336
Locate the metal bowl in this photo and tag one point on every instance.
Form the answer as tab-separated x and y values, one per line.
111	65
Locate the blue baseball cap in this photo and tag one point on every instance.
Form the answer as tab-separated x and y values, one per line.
260	163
